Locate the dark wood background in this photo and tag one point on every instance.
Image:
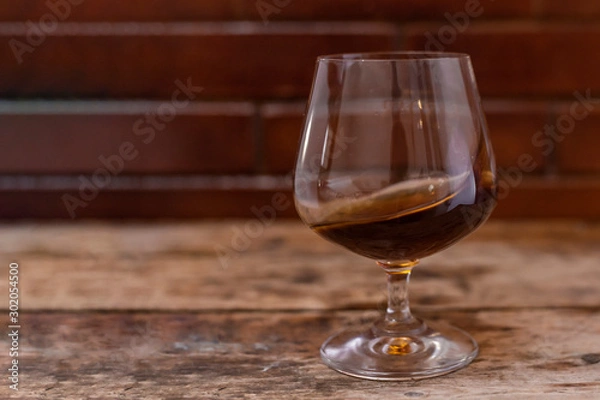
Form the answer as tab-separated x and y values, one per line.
76	78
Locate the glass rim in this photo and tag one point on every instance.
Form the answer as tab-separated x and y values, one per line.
387	56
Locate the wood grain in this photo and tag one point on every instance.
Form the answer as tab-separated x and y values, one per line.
193	10
581	9
160	197
61	137
144	60
524	354
576	152
140	310
531	49
512	124
133	60
209	266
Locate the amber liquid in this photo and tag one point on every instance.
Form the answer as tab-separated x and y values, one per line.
416	228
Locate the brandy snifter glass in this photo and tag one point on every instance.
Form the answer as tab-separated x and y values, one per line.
395	164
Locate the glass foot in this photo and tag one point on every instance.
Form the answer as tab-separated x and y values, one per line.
381	355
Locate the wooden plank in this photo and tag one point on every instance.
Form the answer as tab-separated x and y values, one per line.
523	354
512	124
140	196
391	10
160	202
282	125
193	10
166	197
577	140
580	9
144	60
243	265
521	56
61	137
553	197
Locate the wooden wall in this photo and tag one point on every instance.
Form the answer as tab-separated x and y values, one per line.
192	108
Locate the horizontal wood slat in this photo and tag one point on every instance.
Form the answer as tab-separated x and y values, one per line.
88	60
186	10
578	140
520	59
126	137
86	196
520	196
269	10
75	137
581	9
234	60
283	124
139	204
512	124
197	265
270	355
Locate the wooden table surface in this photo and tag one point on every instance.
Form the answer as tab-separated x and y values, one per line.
148	311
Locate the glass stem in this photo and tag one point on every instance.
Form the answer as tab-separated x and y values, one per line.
397	315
